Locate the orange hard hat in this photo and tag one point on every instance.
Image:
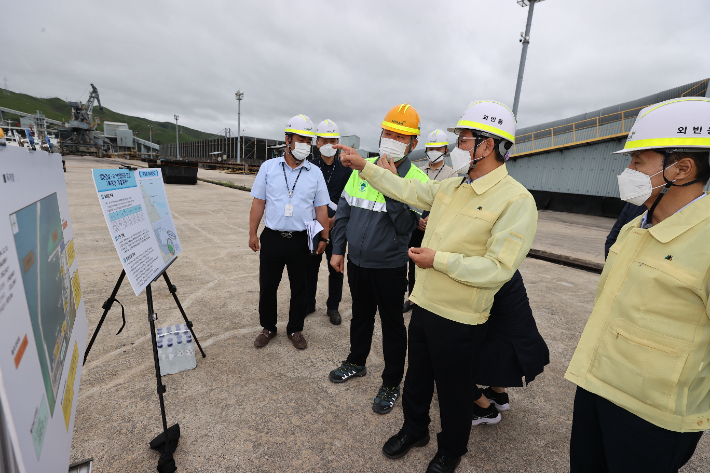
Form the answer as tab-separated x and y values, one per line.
402	119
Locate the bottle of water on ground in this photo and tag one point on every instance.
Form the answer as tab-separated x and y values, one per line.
180	364
190	353
170	365
161	356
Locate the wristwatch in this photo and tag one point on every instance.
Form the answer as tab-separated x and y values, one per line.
326	240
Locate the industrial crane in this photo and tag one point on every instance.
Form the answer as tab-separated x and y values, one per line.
78	137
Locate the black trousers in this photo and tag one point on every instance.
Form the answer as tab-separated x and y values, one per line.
444	352
277	251
414	242
382	289
514	347
608	438
335	280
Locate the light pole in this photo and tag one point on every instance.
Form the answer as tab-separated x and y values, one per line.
239	95
177	140
525	39
151	140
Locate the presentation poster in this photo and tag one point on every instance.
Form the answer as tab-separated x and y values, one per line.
44	328
139	220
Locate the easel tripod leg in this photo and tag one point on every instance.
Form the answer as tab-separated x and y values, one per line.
107	307
173	291
165	442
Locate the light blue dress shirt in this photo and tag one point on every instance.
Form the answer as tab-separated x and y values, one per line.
310	192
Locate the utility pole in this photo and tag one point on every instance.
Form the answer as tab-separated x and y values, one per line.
177	139
525	39
239	95
151	140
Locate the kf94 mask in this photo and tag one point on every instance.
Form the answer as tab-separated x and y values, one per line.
635	187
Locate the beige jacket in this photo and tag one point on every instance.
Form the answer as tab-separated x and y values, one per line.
481	232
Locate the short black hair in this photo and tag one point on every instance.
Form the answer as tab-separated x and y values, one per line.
701	160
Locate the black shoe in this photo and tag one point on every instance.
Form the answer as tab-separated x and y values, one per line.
443	464
334	315
385	399
489	415
398	445
310	310
346	371
499	399
409	305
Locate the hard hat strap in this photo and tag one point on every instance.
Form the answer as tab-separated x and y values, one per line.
666	157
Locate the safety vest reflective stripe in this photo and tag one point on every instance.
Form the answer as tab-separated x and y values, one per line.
668	143
300	132
364	203
485	127
400	127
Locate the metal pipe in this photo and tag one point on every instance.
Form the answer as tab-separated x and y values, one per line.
239	95
523	57
177	140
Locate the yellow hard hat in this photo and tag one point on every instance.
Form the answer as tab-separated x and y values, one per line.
402	119
2	133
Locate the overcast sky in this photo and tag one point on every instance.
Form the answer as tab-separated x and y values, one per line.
350	61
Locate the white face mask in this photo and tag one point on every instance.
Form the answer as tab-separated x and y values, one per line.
328	150
434	156
460	159
301	151
393	149
635	186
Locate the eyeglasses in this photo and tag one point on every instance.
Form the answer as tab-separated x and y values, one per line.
467	141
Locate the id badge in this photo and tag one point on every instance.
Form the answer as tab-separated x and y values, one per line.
288	212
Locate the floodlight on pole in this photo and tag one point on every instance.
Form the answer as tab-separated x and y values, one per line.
525	39
239	95
177	140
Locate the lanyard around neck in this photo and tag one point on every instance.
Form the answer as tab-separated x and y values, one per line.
437	174
290	192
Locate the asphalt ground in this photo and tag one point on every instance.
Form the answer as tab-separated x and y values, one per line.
274	409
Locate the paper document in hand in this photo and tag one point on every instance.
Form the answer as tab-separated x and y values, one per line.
313	228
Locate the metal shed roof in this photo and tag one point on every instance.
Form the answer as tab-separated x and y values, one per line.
694	89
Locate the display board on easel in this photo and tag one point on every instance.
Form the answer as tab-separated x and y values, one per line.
44	328
138	216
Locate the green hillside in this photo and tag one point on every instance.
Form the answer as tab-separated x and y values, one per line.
58	109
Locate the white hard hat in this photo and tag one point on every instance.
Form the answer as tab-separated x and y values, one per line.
300	125
436	139
682	123
328	129
489	117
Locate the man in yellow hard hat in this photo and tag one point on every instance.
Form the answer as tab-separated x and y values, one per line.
377	230
642	363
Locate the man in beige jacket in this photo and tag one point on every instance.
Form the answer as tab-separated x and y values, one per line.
479	230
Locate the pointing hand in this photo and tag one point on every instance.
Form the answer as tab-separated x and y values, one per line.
350	158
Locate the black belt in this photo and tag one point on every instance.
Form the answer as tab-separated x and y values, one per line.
286	234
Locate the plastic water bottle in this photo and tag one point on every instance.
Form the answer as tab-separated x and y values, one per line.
180	364
159	334
161	356
170	365
190	355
